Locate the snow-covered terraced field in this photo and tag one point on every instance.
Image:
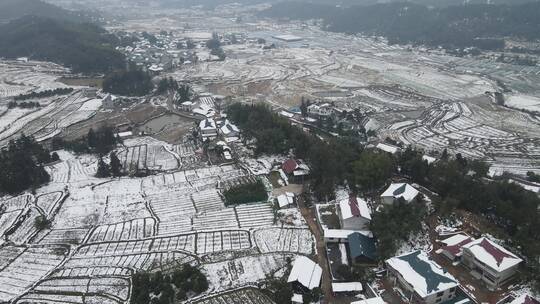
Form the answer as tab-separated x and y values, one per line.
243	296
297	240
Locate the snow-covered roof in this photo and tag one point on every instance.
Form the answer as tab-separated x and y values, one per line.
454	244
306	272
388	148
297	298
406	191
285	199
346	286
229	128
425	276
354	207
286	114
227	155
376	300
207	124
524	299
124	134
429	159
343	234
493	255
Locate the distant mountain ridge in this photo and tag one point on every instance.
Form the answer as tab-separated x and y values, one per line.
461	26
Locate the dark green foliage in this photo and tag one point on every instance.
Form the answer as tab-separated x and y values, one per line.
396	223
169	287
103	170
184	92
42	94
128	83
481	26
84	48
23	105
214	45
55	157
21	165
247	193
166	85
533	177
313	296
279	290
373	169
41	222
101	142
116	166
329	160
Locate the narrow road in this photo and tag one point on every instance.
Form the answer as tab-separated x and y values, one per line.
309	215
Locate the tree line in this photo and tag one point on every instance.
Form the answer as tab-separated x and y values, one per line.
23	105
132	82
100	141
42	94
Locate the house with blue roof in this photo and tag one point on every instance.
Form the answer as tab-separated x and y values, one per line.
420	280
362	249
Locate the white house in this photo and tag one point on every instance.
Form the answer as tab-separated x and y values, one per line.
354	214
420	279
490	262
208	129
400	190
306	273
320	110
285	200
229	131
375	300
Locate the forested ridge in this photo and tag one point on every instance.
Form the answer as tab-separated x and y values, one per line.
84	47
458	26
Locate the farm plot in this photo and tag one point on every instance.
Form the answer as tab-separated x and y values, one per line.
42	298
28	268
129	230
8	254
295	240
110	287
62	236
11	209
208	242
255	215
25	228
91	272
207	201
188	154
222	219
174	211
49	201
241	271
242	296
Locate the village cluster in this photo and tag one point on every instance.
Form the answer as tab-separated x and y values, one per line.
180	161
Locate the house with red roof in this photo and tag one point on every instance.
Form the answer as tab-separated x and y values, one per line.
452	247
295	169
354	214
490	262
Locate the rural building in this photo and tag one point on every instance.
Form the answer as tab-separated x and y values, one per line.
420	279
229	131
305	273
187	106
341	235
345	287
320	110
354	214
285	200
295	170
388	148
522	299
490	262
453	246
362	249
400	190
208	129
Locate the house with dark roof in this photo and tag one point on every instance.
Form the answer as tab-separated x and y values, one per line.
296	170
208	129
354	213
490	262
420	280
362	249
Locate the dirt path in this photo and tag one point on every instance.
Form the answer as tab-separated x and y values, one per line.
310	217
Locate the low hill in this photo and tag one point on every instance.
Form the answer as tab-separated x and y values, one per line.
83	47
14	9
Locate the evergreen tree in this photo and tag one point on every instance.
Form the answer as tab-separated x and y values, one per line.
116	166
103	169
91	138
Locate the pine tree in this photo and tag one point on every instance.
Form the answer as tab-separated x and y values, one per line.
91	138
116	166
103	169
